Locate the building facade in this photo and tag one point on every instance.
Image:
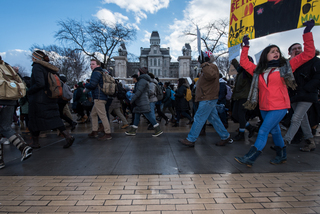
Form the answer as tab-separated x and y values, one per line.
158	61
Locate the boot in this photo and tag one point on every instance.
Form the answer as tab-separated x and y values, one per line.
35	142
93	134
101	128
224	142
309	146
73	125
239	137
176	125
105	137
157	130
1	157
70	139
281	155
251	130
250	157
132	131
18	141
186	142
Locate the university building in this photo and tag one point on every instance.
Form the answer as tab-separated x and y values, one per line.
157	60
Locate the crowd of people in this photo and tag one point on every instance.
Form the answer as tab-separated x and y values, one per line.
280	92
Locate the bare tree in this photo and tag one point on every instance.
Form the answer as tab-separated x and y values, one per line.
94	36
223	65
72	63
214	36
22	70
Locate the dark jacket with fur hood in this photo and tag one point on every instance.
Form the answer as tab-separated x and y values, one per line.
43	111
141	94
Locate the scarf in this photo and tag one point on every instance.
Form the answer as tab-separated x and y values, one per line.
285	73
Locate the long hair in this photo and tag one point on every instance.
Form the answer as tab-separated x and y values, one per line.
263	61
181	81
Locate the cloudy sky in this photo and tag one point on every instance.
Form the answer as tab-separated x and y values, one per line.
28	22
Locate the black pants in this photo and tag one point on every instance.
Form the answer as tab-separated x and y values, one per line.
160	113
62	116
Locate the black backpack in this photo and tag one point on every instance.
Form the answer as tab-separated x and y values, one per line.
121	92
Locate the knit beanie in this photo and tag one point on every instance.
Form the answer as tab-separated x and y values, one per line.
143	70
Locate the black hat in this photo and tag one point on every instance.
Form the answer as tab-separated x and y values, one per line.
143	70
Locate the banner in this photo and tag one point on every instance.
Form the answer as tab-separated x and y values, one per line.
259	18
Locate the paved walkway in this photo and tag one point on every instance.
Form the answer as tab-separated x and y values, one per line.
143	174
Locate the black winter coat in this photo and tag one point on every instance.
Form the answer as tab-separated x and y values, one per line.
181	103
167	102
43	111
307	77
141	95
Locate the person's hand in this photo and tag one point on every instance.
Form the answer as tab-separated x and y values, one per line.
309	25
245	40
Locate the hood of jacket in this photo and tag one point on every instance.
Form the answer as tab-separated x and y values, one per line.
47	65
145	76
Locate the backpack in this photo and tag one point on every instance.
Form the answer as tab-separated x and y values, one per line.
121	92
229	92
66	92
158	92
109	84
188	95
55	89
172	95
11	85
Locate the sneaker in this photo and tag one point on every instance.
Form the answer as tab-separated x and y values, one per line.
105	137
26	153
2	164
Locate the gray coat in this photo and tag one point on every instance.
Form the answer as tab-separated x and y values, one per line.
141	95
152	90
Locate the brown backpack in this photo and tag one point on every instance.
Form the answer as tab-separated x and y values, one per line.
11	85
109	84
55	87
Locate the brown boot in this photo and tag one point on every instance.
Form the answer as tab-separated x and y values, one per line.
69	138
101	128
35	142
105	137
224	142
93	134
186	142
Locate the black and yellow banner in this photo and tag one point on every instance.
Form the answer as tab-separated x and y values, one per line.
259	18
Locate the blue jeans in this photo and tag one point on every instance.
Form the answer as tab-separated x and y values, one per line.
271	120
148	115
207	111
152	106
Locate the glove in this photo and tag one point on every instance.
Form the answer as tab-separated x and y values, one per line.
245	40
309	25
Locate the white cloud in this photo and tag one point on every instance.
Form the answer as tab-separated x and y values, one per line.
111	18
17	56
140	7
200	12
146	37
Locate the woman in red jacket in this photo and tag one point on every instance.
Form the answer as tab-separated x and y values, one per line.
271	77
